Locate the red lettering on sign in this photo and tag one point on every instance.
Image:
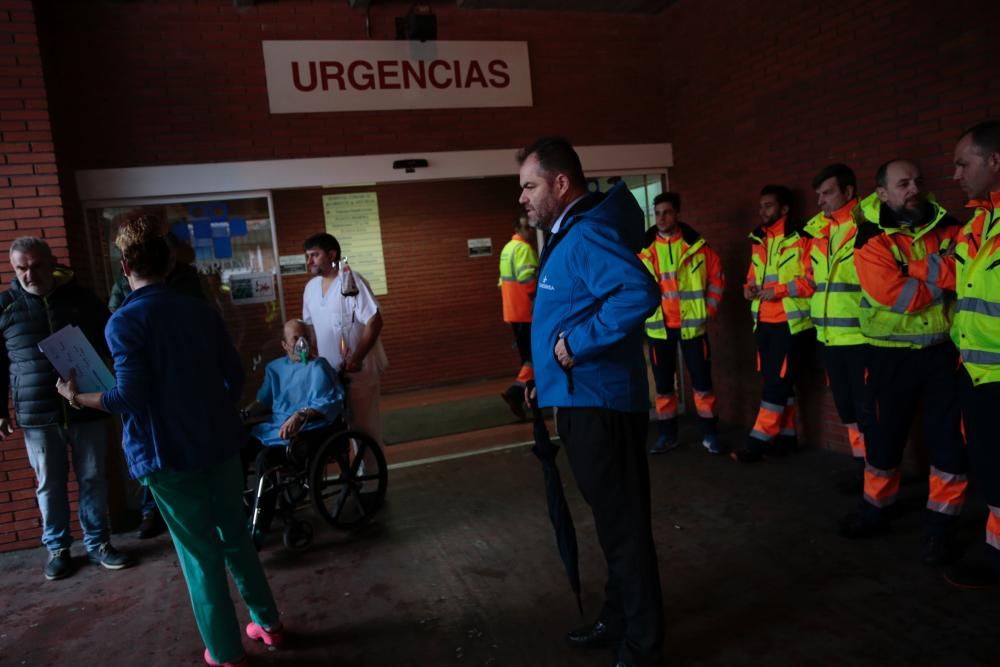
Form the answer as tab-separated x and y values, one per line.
367	80
434	66
500	78
475	75
385	73
331	70
297	79
414	71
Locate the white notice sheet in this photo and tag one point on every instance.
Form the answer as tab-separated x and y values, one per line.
69	348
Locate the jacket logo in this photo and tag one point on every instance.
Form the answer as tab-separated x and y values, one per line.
545	283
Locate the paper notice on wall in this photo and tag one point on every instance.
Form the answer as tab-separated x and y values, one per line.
68	349
293	265
353	219
252	288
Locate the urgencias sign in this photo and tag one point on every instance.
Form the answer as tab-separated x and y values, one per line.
312	76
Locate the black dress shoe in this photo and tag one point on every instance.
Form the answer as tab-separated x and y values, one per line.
597	635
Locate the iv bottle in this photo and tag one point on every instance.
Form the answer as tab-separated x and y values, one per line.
301	349
348	286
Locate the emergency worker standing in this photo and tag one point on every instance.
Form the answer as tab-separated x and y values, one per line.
835	305
976	330
518	266
906	318
691	282
778	290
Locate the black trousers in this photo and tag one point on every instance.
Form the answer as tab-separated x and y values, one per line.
845	369
902	384
698	360
982	434
607	453
522	338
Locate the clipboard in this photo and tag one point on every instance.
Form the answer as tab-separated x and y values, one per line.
69	348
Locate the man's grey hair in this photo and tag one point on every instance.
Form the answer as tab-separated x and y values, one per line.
32	245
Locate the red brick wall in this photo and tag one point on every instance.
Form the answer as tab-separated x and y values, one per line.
442	314
30	205
183	81
772	91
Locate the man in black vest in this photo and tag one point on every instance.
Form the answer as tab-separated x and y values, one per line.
42	299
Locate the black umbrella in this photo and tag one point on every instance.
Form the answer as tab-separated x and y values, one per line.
562	520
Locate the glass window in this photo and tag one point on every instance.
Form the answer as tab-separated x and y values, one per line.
230	243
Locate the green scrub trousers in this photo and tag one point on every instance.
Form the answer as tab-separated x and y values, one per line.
203	510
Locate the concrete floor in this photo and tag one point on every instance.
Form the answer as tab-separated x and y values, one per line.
461	569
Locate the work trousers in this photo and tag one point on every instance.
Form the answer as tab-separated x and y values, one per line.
522	338
903	383
846	367
606	450
698	360
982	433
203	510
779	355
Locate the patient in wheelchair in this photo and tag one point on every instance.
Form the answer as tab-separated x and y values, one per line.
300	396
301	393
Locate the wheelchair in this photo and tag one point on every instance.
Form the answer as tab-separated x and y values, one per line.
341	472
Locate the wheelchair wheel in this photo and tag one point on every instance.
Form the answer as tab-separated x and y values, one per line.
348	479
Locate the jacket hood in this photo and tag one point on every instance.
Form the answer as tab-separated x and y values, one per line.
619	210
872	209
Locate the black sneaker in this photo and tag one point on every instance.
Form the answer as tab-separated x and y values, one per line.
974	576
107	556
60	565
151	525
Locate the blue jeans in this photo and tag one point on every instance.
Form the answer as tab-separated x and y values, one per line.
47	451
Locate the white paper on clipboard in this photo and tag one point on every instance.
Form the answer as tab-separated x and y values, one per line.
69	348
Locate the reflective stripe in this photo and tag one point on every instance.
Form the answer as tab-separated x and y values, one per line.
669	295
793	289
715	289
669	275
905	295
949	477
837	321
773	407
694	323
951	509
878	472
978	306
933	268
980	357
923	340
658	324
692	294
772	278
838	287
760	435
796	314
712	301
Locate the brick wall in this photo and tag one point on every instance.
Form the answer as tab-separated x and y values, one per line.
30	205
442	314
772	91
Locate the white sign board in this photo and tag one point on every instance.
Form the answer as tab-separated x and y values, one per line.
68	349
314	76
252	288
353	219
480	247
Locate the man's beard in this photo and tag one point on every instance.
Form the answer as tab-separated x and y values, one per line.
913	216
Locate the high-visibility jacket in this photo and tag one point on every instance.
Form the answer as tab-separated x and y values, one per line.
830	266
976	327
898	309
691	283
518	266
777	259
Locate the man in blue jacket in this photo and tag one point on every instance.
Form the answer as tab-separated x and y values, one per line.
593	297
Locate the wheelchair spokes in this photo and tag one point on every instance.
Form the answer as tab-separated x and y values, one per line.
348	480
